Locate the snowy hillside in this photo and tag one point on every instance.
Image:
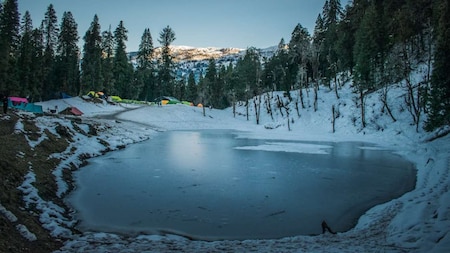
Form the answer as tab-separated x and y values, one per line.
419	221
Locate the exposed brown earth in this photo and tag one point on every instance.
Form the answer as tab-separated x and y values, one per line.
16	158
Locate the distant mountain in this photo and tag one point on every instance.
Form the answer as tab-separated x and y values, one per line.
195	59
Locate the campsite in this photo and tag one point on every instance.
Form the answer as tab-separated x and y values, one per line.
71	140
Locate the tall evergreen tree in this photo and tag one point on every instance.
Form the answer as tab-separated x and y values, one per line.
123	70
365	53
300	56
191	91
332	13
146	50
67	67
166	65
145	71
37	71
51	31
222	89
26	56
211	85
439	103
345	41
107	47
249	74
316	50
9	40
91	66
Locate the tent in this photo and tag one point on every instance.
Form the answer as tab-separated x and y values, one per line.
17	100
75	111
30	107
22	104
72	111
116	99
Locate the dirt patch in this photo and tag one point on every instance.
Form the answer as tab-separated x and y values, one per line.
16	160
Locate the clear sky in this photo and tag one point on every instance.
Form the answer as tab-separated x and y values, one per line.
197	23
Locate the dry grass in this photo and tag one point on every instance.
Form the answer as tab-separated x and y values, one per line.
16	157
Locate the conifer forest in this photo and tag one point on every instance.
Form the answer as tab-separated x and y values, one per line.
372	43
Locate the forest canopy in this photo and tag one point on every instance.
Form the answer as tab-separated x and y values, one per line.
374	43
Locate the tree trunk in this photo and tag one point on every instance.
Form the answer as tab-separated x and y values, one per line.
385	103
280	105
336	86
363	111
301	98
315	97
269	106
246	108
257	106
333	117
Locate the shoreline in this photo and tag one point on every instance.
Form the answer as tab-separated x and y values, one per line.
356	212
380	225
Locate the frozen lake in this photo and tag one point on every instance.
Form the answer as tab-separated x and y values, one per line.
214	184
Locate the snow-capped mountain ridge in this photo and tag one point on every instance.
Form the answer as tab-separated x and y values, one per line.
187	53
196	59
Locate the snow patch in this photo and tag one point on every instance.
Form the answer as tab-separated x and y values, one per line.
10	216
291	147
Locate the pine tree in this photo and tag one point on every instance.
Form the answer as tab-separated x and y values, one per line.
439	102
166	66
37	71
26	56
332	13
51	31
316	47
300	57
345	42
107	47
276	69
145	71
67	66
365	53
146	50
191	91
223	99
9	40
91	65
123	70
249	73
211	84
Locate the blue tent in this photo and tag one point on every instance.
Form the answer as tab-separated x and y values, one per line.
28	107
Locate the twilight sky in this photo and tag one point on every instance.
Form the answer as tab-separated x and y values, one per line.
197	23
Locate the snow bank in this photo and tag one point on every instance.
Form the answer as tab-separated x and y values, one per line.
419	221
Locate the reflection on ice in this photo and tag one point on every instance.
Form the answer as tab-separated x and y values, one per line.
212	185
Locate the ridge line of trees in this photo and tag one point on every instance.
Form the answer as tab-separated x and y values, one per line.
375	43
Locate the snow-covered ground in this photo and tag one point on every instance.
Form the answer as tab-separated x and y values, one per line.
419	221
